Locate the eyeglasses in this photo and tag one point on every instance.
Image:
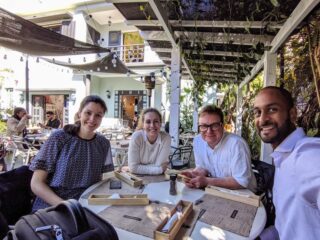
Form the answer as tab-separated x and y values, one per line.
212	126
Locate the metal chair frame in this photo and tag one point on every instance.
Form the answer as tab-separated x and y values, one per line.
180	158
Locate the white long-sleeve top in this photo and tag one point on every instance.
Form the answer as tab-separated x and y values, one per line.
147	158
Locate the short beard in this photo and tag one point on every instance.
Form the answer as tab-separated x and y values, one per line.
282	132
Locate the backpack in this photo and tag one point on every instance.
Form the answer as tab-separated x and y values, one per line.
264	173
66	221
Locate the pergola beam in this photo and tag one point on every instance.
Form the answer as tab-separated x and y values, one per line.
156	36
225	70
221	38
217	53
254	71
164	21
299	13
227	38
213	74
222	63
223	24
213	79
205	52
165	58
206	24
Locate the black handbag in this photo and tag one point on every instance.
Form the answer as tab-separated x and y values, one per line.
65	221
16	197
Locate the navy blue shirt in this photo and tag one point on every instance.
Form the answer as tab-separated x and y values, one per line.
73	164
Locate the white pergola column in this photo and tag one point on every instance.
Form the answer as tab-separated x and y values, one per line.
269	79
87	83
80	32
195	116
175	96
239	111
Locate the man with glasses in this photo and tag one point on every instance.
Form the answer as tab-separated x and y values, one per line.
222	159
52	122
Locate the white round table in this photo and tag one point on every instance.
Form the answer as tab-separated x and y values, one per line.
202	231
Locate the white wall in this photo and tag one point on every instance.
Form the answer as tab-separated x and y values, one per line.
99	86
114	27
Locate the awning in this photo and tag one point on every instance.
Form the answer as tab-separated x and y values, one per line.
107	64
24	36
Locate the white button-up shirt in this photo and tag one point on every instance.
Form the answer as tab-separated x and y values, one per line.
230	158
296	190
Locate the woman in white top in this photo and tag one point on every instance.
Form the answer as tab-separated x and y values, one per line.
149	147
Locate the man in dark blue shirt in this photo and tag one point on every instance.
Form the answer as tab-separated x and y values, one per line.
52	122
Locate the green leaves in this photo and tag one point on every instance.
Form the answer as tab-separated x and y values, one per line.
275	3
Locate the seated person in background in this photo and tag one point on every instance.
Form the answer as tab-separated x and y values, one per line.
73	158
167	127
135	121
16	125
149	147
52	122
222	159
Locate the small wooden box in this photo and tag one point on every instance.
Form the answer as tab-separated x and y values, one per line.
169	172
234	195
125	199
186	210
129	178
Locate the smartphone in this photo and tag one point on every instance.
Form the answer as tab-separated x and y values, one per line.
115	184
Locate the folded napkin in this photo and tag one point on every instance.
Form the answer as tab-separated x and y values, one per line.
171	222
115	196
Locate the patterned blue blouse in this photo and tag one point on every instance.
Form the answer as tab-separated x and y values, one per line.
73	164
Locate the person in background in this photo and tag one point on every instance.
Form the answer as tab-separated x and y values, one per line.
52	122
73	158
135	121
296	188
149	147
17	124
222	159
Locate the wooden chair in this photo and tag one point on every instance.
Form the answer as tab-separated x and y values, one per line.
180	158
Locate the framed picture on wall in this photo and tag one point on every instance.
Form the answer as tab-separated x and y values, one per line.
114	38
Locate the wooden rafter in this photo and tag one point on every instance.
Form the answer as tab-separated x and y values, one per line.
223	63
205	52
299	13
207	24
213	69
163	19
222	38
